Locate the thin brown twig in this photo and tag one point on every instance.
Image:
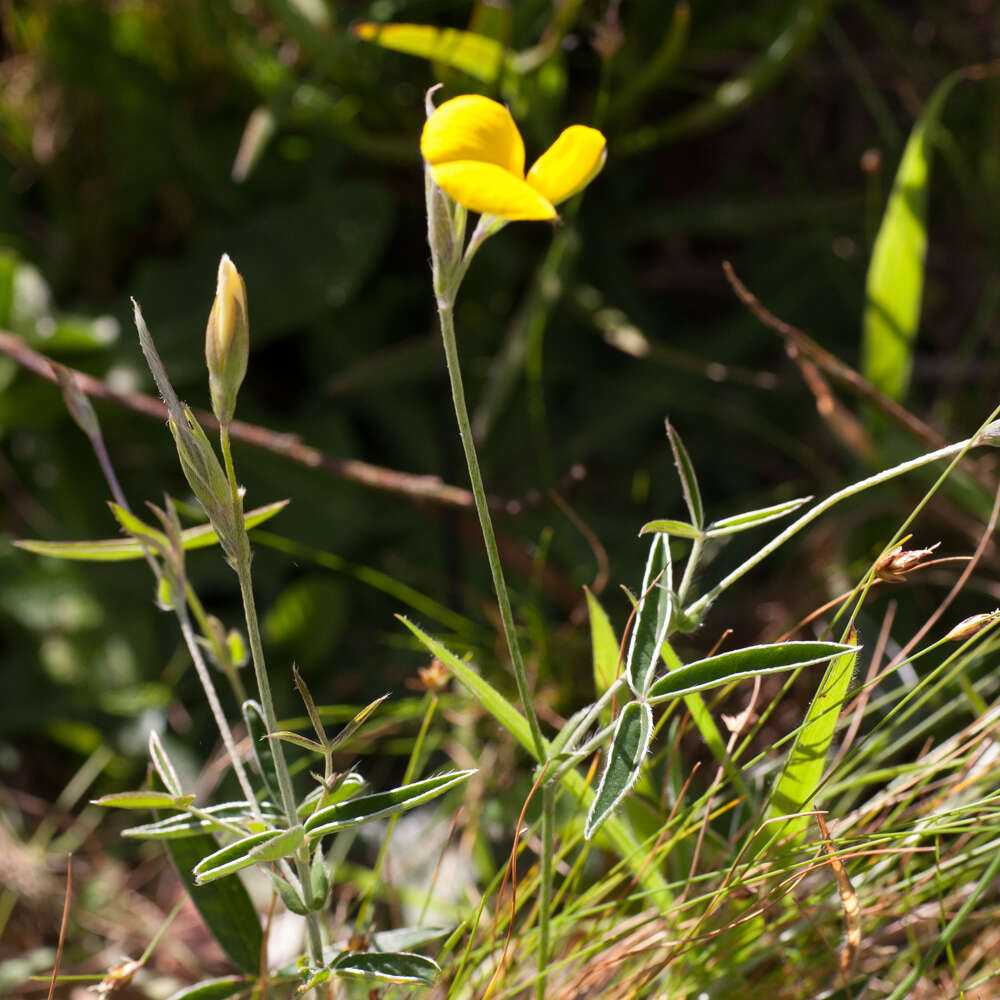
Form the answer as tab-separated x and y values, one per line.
832	365
62	925
289	446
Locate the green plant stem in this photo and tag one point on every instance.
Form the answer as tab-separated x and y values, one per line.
445	314
548	835
213	703
411	767
699	606
690	566
287	793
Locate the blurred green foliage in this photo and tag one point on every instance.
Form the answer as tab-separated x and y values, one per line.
141	140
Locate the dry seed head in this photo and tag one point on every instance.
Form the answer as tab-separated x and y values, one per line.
968	627
895	564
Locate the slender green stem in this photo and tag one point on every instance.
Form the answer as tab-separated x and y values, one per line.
690	566
213	703
220	655
563	743
411	768
698	607
445	312
286	791
548	835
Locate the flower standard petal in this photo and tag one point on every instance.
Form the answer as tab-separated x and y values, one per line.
473	128
490	190
569	164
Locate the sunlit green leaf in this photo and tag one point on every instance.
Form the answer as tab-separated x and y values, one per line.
474	54
603	644
389	967
144	800
368	807
895	283
752	518
120	549
652	617
666	526
740	663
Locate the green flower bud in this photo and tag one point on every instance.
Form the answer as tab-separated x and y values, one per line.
227	340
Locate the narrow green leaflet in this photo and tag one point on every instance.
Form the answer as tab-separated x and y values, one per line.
346	787
225	905
689	481
604	645
388	966
895	283
253	716
216	818
368	807
258	848
477	55
214	989
739	663
144	800
741	522
665	526
652	617
121	549
407	938
799	780
625	758
164	768
297	740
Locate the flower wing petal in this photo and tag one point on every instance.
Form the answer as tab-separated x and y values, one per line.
491	190
472	127
569	164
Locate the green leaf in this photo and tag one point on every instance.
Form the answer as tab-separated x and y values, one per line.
288	894
144	800
625	758
164	768
224	905
303	742
368	807
739	663
217	818
477	55
253	716
388	966
689	481
347	786
604	645
407	938
319	880
258	848
665	526
652	617
616	834
895	282
799	780
356	723
121	549
214	989
741	522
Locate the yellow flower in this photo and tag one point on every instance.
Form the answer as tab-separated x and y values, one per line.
476	157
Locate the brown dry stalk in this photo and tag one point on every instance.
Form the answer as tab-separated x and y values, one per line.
848	899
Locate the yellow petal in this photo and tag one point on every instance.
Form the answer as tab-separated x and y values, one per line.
569	164
471	127
491	190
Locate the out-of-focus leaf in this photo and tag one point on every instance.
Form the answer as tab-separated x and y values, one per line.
895	282
652	616
120	549
407	938
625	758
225	905
477	55
389	967
253	716
603	644
144	800
800	777
739	663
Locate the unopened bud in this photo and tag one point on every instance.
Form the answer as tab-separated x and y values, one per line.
227	340
970	626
